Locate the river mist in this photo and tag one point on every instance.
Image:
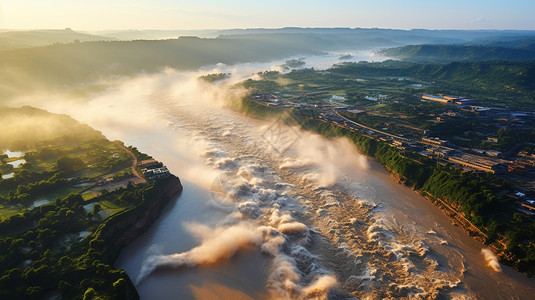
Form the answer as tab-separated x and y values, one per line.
273	212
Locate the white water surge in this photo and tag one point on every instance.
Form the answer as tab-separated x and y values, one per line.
316	220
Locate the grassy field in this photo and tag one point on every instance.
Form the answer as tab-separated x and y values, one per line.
100	158
111	207
6	211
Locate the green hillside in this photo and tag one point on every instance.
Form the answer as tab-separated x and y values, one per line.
448	53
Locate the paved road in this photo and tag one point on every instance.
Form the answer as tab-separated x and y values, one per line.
373	129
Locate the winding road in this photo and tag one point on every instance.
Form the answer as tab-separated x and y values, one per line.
134	162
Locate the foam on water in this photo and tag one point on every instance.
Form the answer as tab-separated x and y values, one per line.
323	228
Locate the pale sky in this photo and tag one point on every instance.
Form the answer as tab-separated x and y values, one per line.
212	14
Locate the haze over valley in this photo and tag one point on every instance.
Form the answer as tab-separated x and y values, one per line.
221	154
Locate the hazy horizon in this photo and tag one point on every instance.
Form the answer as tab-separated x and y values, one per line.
102	15
101	31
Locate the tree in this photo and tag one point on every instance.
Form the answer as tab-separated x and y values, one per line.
89	294
97	208
69	164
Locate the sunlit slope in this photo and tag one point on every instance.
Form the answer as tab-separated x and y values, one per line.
10	40
448	53
59	65
23	128
512	47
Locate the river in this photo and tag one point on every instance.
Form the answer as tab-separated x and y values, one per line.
378	238
271	212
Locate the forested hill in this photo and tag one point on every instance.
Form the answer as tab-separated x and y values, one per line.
24	128
69	64
449	53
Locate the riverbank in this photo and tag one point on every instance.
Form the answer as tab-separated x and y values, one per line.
60	239
455	216
425	250
490	216
123	228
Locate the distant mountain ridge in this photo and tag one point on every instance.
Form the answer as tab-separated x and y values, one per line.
514	49
80	60
369	37
16	39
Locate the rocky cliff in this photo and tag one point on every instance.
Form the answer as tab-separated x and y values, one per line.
123	228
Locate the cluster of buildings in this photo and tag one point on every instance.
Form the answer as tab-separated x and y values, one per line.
439	148
524	164
447	99
470	159
267	99
465	103
526	205
481	160
495	166
153	169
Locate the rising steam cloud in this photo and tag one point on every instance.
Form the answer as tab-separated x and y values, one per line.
330	159
492	260
221	243
146	107
217	244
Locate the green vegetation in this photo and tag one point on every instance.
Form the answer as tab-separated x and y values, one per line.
258	110
79	62
28	127
60	66
215	77
53	167
480	198
449	53
293	63
43	258
139	155
509	83
69	164
388	95
56	220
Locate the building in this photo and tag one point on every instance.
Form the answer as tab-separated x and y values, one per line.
521	166
149	164
493	153
434	141
104	181
462	101
400	144
452	98
529	205
153	169
436	98
440	152
156	173
478	151
426	154
480	163
267	99
479	109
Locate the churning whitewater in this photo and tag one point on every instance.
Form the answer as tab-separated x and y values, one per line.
306	207
272	212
